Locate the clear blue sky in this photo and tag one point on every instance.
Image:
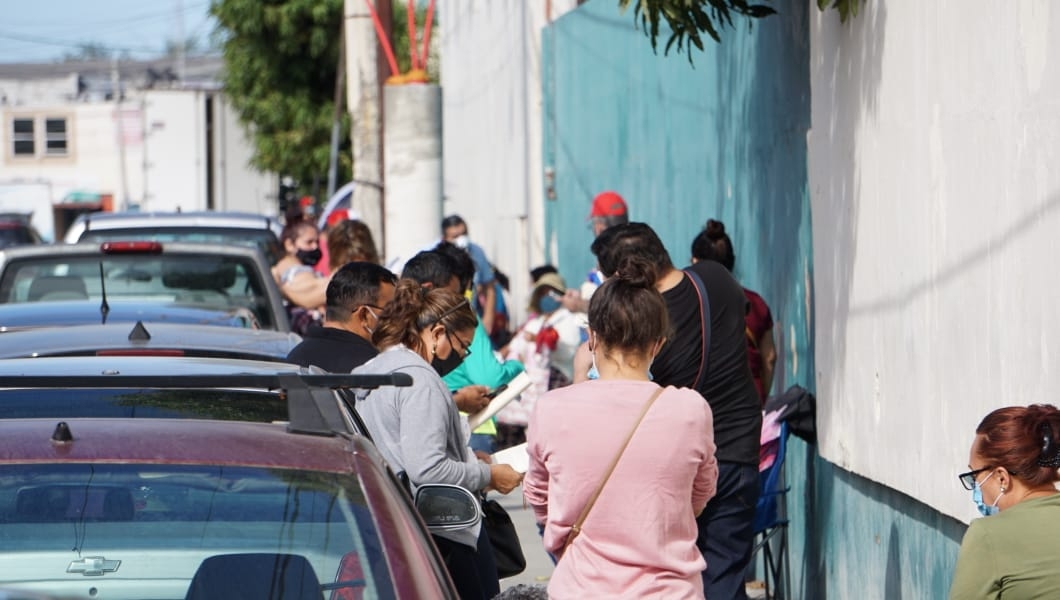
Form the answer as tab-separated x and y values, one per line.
45	30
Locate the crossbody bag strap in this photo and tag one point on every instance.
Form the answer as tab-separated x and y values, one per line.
577	527
704	314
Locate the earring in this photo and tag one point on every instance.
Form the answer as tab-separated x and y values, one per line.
434	349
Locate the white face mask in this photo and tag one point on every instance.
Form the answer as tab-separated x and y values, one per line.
462	242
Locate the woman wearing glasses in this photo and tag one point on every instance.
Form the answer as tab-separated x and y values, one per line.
1013	462
425	333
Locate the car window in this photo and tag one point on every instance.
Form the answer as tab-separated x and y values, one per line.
16	236
166	531
215	282
216	404
262	239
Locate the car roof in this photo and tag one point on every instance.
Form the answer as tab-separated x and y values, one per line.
140	365
179	441
92	248
24	316
155	336
194	219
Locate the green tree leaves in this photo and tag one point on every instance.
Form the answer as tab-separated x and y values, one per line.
689	19
280	72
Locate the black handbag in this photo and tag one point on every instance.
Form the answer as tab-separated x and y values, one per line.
507	551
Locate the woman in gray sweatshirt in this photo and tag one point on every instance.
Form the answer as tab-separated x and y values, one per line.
426	333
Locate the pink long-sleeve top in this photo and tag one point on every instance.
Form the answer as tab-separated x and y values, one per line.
639	540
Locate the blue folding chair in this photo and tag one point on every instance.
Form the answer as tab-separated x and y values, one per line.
771	524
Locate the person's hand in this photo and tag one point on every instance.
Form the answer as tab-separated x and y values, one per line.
572	301
471	398
504	478
485	457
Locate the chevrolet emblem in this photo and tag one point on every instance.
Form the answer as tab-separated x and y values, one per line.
93	566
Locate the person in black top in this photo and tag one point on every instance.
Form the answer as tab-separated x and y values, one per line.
356	295
725	528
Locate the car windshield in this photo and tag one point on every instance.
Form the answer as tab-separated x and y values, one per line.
216	404
224	283
176	531
262	239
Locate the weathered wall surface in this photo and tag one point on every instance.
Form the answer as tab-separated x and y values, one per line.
932	171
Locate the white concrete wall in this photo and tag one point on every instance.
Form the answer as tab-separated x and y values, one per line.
935	193
491	82
237	185
175	161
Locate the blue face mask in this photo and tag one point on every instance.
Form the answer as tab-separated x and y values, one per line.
593	372
977	496
548	303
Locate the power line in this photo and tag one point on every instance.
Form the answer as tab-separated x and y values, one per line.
6	35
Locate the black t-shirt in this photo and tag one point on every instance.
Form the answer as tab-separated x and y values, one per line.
334	350
729	385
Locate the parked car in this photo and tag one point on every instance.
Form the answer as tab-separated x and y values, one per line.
153	339
16	230
204	226
141	281
163	508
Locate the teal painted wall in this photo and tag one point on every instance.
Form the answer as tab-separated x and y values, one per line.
725	137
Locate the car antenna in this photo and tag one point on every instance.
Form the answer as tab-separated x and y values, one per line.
104	308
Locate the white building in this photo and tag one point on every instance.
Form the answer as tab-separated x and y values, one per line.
70	146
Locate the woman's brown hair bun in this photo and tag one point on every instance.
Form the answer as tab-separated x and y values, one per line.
715	229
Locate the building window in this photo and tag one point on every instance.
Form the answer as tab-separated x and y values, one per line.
22	137
55	136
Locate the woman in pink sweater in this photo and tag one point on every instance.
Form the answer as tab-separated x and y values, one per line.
639	538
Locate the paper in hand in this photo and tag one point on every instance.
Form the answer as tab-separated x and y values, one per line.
515	387
516	456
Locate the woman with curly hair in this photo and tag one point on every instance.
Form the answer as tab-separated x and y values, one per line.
426	333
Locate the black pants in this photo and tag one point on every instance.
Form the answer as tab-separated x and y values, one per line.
726	530
472	570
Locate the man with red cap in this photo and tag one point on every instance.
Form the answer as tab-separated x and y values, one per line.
608	210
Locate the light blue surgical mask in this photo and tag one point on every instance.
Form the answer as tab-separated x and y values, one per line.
977	496
548	303
593	372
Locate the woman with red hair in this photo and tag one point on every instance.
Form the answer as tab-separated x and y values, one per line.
1013	461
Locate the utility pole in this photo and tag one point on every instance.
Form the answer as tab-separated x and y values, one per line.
181	42
336	120
363	95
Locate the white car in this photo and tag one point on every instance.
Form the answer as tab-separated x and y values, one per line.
206	226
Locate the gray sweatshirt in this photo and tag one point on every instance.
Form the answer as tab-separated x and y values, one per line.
417	429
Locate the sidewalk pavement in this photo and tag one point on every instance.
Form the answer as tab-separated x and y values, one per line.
538	564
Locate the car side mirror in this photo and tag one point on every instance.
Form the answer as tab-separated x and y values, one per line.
445	507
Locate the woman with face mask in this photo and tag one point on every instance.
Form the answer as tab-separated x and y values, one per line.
426	333
304	289
1013	461
545	345
620	467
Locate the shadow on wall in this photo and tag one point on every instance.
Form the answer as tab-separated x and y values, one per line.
852	553
847	93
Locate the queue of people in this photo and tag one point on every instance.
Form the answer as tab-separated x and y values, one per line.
657	499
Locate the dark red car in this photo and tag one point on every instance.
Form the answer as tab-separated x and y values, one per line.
204	508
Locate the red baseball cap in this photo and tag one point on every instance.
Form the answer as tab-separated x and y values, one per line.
608	204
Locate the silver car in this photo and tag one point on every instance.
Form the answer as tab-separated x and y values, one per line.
139	281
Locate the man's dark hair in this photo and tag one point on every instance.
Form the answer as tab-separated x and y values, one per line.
430	267
452	221
354	285
537	272
630	240
465	267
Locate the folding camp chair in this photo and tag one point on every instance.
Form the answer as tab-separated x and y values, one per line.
771	524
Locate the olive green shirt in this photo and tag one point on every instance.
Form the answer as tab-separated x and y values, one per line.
1013	555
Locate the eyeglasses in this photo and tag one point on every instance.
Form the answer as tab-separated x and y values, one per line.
968	479
465	350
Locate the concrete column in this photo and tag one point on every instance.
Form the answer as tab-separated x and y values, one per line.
362	98
412	159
